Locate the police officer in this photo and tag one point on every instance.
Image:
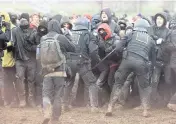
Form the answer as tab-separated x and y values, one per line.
86	49
136	58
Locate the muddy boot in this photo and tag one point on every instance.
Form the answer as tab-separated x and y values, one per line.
53	121
46	110
94	109
66	108
1	102
172	107
22	101
138	108
146	109
146	113
45	121
14	104
109	112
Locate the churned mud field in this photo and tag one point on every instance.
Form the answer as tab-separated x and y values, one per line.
83	116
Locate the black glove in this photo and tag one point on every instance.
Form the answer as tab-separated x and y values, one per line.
9	48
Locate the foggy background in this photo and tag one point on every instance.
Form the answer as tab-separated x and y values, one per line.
69	7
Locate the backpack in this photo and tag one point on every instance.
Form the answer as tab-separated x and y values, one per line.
51	55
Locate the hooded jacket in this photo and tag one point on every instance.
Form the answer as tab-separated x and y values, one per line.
21	42
160	32
114	27
65	44
7	59
25	16
6	29
108	44
57	17
35	37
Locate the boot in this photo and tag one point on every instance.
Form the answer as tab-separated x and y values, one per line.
1	102
14	104
66	108
94	110
109	112
32	103
172	107
31	98
53	121
22	101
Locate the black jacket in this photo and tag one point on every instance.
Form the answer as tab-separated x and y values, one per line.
160	32
141	44
65	44
21	43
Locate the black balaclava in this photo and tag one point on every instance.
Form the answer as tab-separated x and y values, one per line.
24	24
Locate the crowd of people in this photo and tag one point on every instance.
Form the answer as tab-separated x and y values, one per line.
113	61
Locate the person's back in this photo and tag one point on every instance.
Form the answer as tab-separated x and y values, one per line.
54	69
137	58
86	49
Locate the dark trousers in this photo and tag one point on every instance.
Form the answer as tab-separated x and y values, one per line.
90	87
136	64
38	84
52	92
26	70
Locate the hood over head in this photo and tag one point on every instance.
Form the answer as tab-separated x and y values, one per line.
25	16
57	17
54	26
6	16
65	19
163	15
106	28
24	24
108	13
43	27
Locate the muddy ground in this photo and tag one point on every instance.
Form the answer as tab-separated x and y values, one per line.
83	116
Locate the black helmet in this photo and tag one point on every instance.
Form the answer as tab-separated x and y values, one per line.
81	23
141	25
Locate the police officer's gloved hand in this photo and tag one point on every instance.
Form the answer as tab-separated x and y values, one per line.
155	37
9	46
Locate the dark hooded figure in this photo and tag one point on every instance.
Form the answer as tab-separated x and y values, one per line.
107	43
13	18
106	17
53	82
25	61
159	32
25	16
35	40
171	68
